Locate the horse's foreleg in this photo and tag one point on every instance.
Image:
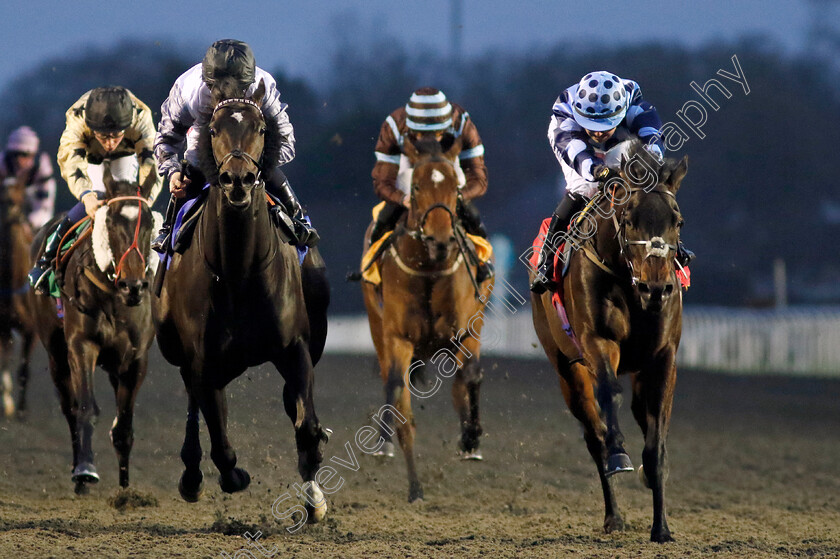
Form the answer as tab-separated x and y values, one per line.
23	370
82	361
465	396
213	406
296	367
6	384
126	386
400	356
576	385
654	390
191	485
604	355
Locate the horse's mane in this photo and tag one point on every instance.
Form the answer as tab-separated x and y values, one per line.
665	167
230	89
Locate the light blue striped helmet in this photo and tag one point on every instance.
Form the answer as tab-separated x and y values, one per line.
600	102
428	111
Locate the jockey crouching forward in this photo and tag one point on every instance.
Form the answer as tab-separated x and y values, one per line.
589	123
105	124
428	114
189	107
21	156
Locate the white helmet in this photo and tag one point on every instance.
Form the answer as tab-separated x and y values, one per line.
601	101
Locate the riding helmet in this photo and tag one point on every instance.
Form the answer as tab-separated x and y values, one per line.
228	58
600	102
428	110
109	109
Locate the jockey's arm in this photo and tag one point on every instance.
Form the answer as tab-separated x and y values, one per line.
175	121
277	119
72	151
471	159
643	121
570	146
143	148
387	167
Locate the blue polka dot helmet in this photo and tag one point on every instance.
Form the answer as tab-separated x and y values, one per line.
600	102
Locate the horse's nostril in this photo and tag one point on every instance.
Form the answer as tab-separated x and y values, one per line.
249	179
669	289
226	179
122	285
144	285
644	288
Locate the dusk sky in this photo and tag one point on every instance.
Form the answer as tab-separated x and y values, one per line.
299	36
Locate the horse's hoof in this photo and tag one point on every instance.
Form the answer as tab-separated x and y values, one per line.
387	450
235	480
471	455
661	536
326	433
415	492
618	463
85	473
191	486
642	477
315	502
613	524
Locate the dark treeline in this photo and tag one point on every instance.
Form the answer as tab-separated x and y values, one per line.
760	184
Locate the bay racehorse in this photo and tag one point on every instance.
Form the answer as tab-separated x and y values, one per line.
428	310
624	304
107	320
238	297
15	238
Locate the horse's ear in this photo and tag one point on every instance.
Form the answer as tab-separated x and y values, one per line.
258	95
149	182
453	151
108	179
409	149
677	175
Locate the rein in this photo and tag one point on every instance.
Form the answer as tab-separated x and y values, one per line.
133	246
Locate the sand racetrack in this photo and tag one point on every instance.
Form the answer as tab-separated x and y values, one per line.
755	472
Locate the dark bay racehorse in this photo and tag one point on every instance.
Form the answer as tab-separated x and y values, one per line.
15	238
427	300
625	305
107	321
237	297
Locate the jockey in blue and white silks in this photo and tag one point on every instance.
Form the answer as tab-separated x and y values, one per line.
591	124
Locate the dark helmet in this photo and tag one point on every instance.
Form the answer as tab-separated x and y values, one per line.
228	58
109	109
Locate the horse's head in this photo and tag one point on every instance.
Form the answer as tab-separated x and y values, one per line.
650	223
13	193
434	194
237	132
122	236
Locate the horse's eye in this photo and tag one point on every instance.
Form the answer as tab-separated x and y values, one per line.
681	222
262	131
212	131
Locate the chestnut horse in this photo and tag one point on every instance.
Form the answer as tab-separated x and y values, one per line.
427	308
15	238
107	320
624	303
238	297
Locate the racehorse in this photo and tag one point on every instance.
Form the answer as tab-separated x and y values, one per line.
107	320
15	238
624	304
428	308
238	297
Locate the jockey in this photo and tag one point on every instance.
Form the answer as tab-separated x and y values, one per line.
428	114
105	124
21	156
188	107
588	121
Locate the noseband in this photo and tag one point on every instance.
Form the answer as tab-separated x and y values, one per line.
237	153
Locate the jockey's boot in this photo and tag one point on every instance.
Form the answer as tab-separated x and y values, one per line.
161	242
684	256
39	272
471	220
386	220
560	219
304	233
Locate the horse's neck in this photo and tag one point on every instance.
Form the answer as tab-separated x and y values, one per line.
236	243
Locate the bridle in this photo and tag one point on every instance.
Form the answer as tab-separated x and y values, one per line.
237	153
655	247
134	247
